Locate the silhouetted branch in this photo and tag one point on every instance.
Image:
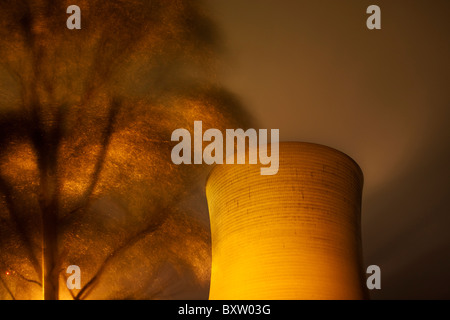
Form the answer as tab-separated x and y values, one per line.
113	111
106	139
15	272
70	291
7	288
6	190
101	68
85	291
26	279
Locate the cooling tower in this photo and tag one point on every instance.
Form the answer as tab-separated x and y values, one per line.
293	235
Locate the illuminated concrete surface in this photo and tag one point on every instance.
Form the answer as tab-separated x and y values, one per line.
294	235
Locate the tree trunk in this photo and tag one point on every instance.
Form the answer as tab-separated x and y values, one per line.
50	271
49	211
47	144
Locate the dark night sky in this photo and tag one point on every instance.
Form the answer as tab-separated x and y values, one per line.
313	70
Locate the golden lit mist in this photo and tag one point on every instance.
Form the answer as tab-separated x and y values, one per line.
85	123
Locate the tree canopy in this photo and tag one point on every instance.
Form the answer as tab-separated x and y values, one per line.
85	171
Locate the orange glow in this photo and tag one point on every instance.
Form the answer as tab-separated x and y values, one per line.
293	235
85	167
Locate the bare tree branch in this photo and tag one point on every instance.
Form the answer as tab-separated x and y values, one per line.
15	272
26	279
70	291
6	190
7	288
85	291
99	71
106	139
115	105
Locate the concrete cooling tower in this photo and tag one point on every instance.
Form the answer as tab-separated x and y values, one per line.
293	235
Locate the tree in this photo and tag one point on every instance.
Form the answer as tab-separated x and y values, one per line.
85	172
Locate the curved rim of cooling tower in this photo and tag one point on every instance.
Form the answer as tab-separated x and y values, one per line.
358	168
